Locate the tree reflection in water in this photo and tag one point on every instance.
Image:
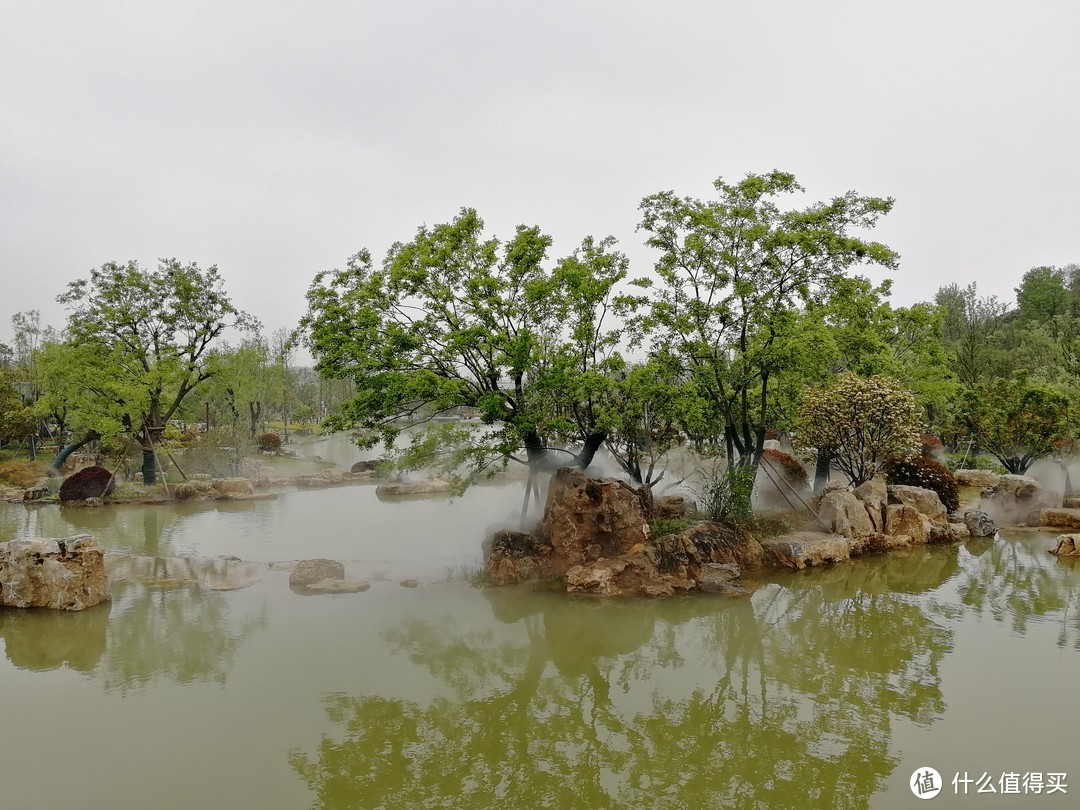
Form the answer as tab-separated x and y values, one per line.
783	700
177	628
1015	580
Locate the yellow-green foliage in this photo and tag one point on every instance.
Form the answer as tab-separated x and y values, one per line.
22	473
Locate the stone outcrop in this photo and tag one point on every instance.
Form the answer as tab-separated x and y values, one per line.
65	574
709	542
364	467
35	494
1068	545
586	519
979	524
904	520
806	549
924	501
511	558
89	482
844	513
976	478
307	572
1060	518
874	497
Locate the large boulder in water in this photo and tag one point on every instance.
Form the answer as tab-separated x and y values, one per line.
590	518
66	574
89	482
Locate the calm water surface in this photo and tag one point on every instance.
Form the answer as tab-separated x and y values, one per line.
823	689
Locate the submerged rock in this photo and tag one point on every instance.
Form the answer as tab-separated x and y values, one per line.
338	586
979	524
807	549
65	574
1068	545
307	572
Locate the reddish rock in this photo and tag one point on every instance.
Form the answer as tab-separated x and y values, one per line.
89	482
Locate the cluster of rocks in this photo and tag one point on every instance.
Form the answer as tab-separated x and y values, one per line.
324	576
595	538
65	574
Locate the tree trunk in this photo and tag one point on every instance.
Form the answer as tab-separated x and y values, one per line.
62	456
149	466
821	471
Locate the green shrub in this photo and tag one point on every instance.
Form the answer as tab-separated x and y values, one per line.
919	471
724	495
662	527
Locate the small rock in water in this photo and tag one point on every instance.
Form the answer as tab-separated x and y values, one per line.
308	571
979	524
409	583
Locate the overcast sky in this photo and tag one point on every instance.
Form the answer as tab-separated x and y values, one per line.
275	139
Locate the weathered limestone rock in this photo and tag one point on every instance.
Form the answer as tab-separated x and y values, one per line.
339	586
513	557
583	512
36	494
307	572
845	514
1068	545
89	482
674	506
976	478
65	574
874	497
409	583
979	524
720	578
807	549
1060	518
1071	503
233	486
193	488
924	501
364	467
946	533
596	577
708	542
902	519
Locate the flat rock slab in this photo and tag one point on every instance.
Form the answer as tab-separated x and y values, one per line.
807	549
338	586
1060	518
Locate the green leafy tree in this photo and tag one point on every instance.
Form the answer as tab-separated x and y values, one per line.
140	342
972	332
859	423
455	319
733	274
1017	421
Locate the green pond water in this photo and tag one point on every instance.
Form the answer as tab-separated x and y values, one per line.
825	688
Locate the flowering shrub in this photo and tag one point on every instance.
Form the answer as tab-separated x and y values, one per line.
919	471
780	462
859	422
932	446
268	442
